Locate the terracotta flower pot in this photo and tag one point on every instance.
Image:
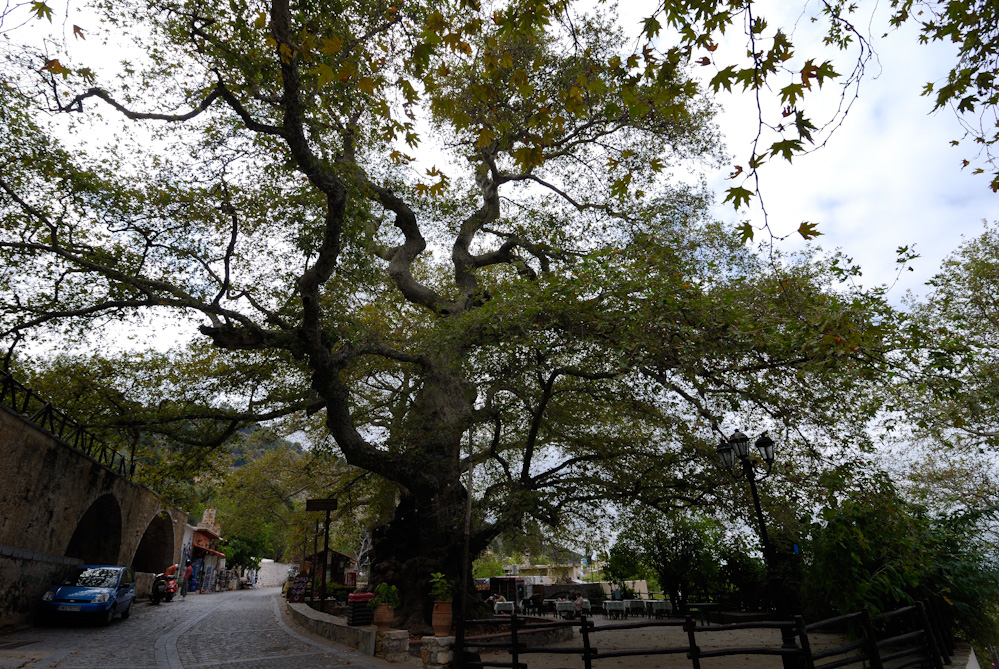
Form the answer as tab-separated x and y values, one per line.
442	619
383	617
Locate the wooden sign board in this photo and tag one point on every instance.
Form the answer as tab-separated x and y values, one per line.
298	588
320	505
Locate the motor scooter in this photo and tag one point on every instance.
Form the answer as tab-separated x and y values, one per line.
171	587
158	590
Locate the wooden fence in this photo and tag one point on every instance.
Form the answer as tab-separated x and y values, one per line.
912	636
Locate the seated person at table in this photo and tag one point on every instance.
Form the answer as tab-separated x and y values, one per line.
579	603
565	611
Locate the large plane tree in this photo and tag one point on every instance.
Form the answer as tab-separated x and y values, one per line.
463	236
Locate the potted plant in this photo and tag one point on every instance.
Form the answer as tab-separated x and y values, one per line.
384	602
442	590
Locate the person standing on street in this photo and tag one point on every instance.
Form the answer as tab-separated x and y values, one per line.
186	581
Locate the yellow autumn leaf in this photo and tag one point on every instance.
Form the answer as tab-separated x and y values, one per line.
331	46
486	136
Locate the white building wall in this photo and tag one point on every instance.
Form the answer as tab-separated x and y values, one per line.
272	573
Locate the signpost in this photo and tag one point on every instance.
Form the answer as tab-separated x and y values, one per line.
320	505
327	505
312	563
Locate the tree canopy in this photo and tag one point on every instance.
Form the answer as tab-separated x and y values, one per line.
681	548
871	549
955	397
534	301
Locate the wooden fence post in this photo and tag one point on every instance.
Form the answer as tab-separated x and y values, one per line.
694	652
806	646
931	640
873	654
515	649
585	626
940	619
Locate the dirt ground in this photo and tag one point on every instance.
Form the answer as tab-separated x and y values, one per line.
613	639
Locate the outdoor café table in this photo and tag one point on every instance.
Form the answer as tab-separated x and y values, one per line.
660	608
565	609
635	607
615	608
503	607
701	608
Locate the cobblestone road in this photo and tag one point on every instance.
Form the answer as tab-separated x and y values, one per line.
247	628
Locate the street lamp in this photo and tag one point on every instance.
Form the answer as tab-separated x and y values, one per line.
737	446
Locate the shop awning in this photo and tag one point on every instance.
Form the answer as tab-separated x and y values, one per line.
209	550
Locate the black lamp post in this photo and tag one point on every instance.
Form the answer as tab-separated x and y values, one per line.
738	447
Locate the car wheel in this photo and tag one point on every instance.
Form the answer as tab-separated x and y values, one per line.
109	616
127	612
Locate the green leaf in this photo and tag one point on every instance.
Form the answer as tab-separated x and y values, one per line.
738	196
790	94
652	27
325	74
330	46
723	79
786	148
41	10
808	230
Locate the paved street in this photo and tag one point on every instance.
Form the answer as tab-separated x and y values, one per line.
247	628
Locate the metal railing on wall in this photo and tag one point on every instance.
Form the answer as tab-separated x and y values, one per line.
41	413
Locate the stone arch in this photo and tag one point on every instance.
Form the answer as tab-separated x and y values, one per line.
97	538
155	552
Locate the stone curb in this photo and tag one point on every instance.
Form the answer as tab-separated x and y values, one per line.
334	628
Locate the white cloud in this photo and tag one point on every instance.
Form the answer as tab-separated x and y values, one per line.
887	178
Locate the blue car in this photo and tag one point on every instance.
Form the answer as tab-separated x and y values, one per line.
95	591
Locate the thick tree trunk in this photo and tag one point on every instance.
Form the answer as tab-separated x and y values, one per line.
426	534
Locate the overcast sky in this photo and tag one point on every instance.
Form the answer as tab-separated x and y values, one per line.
887	178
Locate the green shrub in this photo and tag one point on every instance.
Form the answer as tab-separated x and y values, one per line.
385	594
441	589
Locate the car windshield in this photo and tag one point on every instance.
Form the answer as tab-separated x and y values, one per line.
99	577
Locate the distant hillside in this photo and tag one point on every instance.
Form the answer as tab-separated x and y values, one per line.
252	442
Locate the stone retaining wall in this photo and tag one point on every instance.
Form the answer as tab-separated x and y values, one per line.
334	628
52	495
